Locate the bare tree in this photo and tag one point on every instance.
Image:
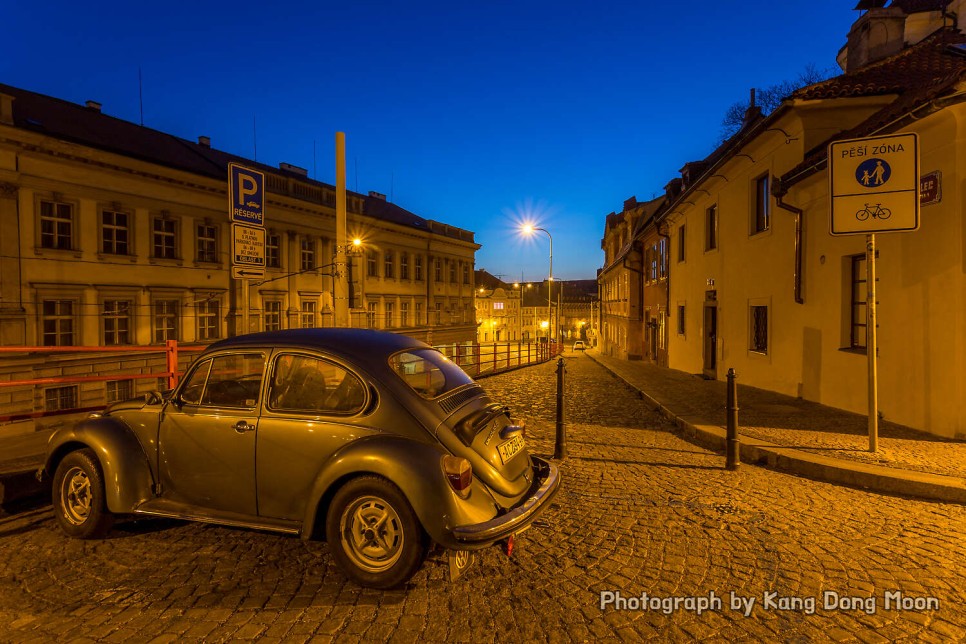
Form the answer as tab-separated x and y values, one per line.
769	98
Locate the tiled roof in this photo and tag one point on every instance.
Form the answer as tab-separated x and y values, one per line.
925	64
920	74
68	121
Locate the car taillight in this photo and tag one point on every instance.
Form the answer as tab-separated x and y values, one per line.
458	473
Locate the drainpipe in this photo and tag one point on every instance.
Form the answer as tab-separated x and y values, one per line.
778	192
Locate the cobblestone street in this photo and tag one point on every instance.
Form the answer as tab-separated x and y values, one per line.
640	511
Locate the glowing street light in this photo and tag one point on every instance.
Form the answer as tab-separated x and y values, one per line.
529	229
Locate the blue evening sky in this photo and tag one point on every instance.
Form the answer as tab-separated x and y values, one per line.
477	114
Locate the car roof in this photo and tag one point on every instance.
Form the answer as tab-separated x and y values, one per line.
339	341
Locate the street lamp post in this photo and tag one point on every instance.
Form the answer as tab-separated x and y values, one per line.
529	230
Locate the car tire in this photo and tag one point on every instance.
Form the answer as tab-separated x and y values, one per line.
373	533
78	496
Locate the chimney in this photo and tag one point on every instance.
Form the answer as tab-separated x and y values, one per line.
377	195
6	109
204	141
94	105
288	167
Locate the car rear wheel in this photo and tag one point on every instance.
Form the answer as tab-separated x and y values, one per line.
78	496
373	533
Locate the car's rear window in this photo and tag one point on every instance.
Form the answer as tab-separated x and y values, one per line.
428	372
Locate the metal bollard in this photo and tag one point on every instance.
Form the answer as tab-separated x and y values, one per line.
560	446
732	454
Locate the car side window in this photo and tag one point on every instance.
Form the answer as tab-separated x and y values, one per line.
308	384
234	381
195	386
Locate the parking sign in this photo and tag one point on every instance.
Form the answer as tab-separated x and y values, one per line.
246	195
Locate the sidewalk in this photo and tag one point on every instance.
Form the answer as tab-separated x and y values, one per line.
802	437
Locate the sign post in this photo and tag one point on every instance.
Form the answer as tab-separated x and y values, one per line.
246	208
873	187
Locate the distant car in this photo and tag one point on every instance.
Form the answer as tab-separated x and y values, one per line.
579	345
373	441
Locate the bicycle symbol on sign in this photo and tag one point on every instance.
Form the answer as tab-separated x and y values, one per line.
876	212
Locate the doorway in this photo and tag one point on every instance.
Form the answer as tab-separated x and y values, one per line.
711	336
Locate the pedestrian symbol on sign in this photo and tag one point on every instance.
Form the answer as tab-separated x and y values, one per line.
872	173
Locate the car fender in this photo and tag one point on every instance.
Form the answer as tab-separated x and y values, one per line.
413	467
127	474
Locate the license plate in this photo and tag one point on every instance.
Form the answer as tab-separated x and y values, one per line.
510	448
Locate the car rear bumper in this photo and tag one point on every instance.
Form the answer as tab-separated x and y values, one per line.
547	483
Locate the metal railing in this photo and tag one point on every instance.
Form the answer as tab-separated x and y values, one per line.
476	359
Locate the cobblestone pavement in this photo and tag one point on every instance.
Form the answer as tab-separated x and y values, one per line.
641	511
793	422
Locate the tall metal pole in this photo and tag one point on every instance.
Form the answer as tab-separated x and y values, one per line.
871	347
340	282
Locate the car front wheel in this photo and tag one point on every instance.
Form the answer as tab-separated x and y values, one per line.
373	533
78	496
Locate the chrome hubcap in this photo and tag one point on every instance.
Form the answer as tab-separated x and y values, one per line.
372	534
76	496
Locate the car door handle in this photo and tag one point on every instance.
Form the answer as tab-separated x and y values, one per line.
242	426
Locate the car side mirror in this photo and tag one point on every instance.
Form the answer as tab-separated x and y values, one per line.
153	397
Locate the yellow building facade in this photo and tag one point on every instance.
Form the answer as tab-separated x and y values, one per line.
780	299
112	234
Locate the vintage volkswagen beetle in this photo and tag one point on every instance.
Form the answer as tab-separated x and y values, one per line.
373	441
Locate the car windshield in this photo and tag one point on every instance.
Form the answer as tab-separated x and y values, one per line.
428	372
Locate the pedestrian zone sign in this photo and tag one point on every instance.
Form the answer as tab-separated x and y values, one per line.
874	185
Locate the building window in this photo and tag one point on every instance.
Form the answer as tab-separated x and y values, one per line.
439	313
56	225
452	271
498	306
419	314
58	323
438	269
682	243
163	239
759	329
681	311
273	252
117	322
762	206
388	264
371	315
404	314
207	314
662	258
390	310
115	233
404	266
207	244
118	390
418	268
371	263
60	398
166	320
858	304
651	263
307	254
466	273
273	315
711	228
310	310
